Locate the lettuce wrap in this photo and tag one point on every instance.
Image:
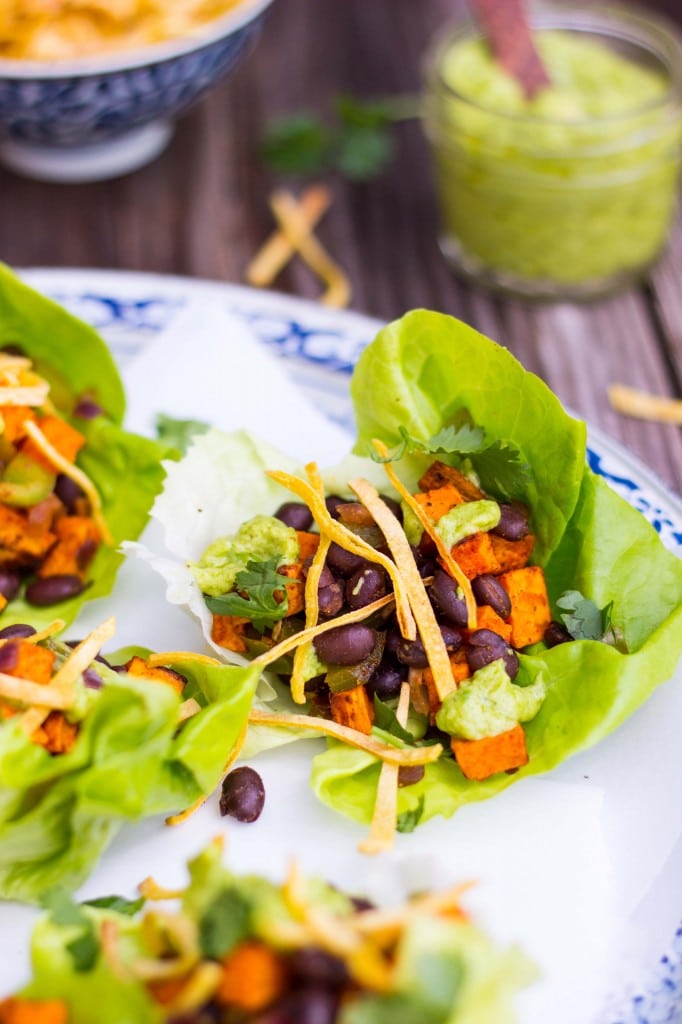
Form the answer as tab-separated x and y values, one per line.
424	379
78	366
242	947
129	746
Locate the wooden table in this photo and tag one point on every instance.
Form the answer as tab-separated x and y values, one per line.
201	209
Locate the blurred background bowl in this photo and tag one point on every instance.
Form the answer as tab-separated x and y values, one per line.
99	117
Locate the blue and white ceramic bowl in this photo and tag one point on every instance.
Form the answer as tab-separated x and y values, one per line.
98	117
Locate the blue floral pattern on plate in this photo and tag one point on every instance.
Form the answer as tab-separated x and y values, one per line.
281	323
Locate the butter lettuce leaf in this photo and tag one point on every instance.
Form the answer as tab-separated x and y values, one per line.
130	760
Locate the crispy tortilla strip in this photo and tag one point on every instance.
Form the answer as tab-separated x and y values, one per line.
311	616
382	830
385	925
75	474
33	396
10	363
188	709
399	546
271	656
81	657
276	252
31	720
448	561
23	691
390	755
643	406
336	532
296	230
165	658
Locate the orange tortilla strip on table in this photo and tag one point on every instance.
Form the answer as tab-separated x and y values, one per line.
530	612
479	759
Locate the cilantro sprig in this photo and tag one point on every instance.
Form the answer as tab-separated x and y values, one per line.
499	465
84	947
356	142
178	433
259	595
585	620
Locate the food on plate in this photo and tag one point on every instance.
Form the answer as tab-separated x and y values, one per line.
53	30
88	742
458	605
63	457
242	948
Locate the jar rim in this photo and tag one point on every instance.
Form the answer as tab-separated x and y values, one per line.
653	34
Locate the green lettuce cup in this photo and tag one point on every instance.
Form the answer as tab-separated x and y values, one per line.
83	408
246	948
431	388
107	745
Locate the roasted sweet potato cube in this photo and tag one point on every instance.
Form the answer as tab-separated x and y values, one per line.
354	709
295	589
308	543
486	618
475	555
56	734
3	602
139	667
167	990
15	418
512	554
228	631
479	759
439	501
66	439
16	1010
439	474
530	615
33	662
78	540
16	537
254	976
460	671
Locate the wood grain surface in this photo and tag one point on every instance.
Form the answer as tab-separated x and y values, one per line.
201	209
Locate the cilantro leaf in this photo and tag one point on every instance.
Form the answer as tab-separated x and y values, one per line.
462	440
584	620
84	946
408	820
259	595
385	718
118	903
500	469
298	144
178	433
226	922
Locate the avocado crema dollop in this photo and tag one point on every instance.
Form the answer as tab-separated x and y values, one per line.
257	540
489	703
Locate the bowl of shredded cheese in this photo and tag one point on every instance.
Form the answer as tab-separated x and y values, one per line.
89	89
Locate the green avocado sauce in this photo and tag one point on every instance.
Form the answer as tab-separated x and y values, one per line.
257	540
489	703
576	184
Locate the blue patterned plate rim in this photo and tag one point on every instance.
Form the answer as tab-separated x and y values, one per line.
321	347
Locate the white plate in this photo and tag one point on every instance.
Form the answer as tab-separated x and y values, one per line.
319	347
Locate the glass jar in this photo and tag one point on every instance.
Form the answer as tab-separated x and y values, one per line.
551	197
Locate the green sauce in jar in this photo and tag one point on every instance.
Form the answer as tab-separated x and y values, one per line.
571	192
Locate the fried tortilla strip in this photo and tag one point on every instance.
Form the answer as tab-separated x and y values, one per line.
276	252
382	830
643	406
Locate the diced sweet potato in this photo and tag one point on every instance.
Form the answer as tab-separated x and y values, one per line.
354	709
296	589
479	759
530	615
166	990
438	474
18	540
253	977
486	618
308	543
3	602
15	418
32	1011
66	439
512	554
228	631
440	500
139	667
33	662
56	734
460	671
78	540
475	555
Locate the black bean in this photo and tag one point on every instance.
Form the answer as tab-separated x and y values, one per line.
10	582
361	904
364	586
427	546
330	600
346	645
386	682
394	506
332	502
511	663
327	577
243	794
393	638
556	633
68	491
452	638
412	653
410	774
9	656
52	589
443	594
343	561
484	647
295	514
19	629
513	524
316	966
488	590
314	1005
92	679
86	409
